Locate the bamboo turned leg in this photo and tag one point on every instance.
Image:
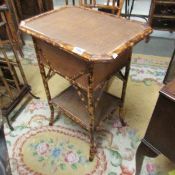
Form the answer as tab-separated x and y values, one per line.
46	87
45	83
127	69
91	112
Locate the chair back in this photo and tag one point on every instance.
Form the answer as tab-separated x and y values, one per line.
109	6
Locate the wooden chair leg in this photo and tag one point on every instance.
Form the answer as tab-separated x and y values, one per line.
9	124
142	151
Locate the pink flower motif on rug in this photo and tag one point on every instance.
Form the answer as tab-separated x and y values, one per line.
151	169
126	171
71	157
43	149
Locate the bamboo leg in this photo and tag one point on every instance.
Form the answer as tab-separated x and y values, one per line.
45	83
91	112
127	69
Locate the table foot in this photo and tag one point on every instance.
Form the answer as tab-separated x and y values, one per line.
33	95
50	123
121	114
92	153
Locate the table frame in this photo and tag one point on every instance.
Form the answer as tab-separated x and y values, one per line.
46	76
89	60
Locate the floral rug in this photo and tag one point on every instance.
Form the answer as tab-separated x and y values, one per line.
36	148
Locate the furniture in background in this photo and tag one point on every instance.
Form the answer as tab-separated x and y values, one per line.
67	2
26	9
170	74
9	17
162	15
14	90
159	137
13	11
66	44
110	6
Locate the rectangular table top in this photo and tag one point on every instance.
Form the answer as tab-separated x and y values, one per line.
88	33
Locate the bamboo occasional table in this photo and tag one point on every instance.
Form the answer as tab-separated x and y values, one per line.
86	47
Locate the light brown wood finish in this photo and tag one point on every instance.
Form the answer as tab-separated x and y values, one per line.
66	44
53	28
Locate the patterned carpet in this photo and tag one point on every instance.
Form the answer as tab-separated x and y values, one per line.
36	148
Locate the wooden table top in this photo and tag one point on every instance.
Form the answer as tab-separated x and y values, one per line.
88	33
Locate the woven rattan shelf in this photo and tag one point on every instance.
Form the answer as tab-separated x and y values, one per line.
69	102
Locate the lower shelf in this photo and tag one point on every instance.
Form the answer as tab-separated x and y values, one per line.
70	103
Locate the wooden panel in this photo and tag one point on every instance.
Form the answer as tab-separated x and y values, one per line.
161	129
70	65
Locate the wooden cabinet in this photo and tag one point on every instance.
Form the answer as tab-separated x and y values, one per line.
159	137
162	15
